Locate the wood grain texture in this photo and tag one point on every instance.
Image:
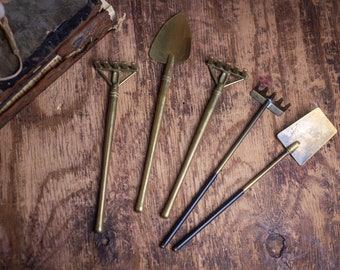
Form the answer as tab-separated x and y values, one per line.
50	154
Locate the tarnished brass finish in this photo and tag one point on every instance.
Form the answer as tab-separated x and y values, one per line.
290	149
172	45
233	198
312	131
302	140
267	102
228	75
114	69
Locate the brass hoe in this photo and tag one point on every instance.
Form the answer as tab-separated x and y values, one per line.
114	82
228	75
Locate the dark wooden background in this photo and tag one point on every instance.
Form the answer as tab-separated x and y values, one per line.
50	153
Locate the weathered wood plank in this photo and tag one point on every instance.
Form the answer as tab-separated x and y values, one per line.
50	154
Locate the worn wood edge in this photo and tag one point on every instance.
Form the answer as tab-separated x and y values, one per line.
94	28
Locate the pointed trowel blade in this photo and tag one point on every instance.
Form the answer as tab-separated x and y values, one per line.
173	38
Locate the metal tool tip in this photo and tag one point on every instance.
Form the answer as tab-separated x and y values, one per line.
218	63
106	64
98	229
272	96
175	248
210	60
291	148
165	214
236	68
227	66
124	65
97	64
134	66
139	208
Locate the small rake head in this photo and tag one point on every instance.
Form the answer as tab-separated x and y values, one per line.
226	67
115	68
261	95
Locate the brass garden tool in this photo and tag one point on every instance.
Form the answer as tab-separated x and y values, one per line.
172	45
302	140
228	75
114	69
267	102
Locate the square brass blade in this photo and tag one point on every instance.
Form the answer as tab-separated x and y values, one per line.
312	131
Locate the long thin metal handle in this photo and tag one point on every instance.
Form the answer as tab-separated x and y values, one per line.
211	180
206	222
109	126
189	209
192	149
166	79
233	198
242	136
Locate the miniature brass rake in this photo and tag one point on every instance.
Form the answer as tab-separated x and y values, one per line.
228	75
114	69
267	102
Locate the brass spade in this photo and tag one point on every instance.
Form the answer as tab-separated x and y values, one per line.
172	45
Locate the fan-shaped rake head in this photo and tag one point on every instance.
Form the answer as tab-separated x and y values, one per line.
115	68
225	67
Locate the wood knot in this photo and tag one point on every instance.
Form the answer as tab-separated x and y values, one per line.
106	247
275	244
105	241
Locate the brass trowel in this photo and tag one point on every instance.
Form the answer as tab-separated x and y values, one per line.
172	45
302	140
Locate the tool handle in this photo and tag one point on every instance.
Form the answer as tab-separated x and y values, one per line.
210	181
189	209
290	149
166	79
209	219
109	126
209	109
242	136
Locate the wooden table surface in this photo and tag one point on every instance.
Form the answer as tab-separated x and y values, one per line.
50	154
